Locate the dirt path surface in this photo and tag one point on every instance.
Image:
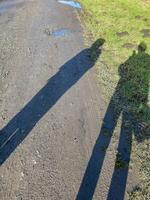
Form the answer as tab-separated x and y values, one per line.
50	110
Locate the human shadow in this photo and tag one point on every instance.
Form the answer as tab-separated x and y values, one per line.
129	101
21	124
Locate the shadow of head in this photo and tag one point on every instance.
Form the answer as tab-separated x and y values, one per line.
96	48
142	47
86	58
98	43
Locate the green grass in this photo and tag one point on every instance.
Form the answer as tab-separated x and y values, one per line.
107	18
124	24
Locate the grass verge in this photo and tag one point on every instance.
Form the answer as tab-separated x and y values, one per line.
125	24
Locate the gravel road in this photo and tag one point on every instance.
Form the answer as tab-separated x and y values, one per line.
50	107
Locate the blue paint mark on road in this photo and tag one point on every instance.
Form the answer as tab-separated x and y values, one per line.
60	32
70	3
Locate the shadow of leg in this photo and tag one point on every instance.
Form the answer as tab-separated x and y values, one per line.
120	174
93	170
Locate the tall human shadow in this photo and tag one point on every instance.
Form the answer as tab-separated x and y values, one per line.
131	94
21	125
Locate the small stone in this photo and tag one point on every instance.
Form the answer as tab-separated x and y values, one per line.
129	46
34	162
75	139
122	34
146	35
145	31
6	74
71	104
38	154
138	17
